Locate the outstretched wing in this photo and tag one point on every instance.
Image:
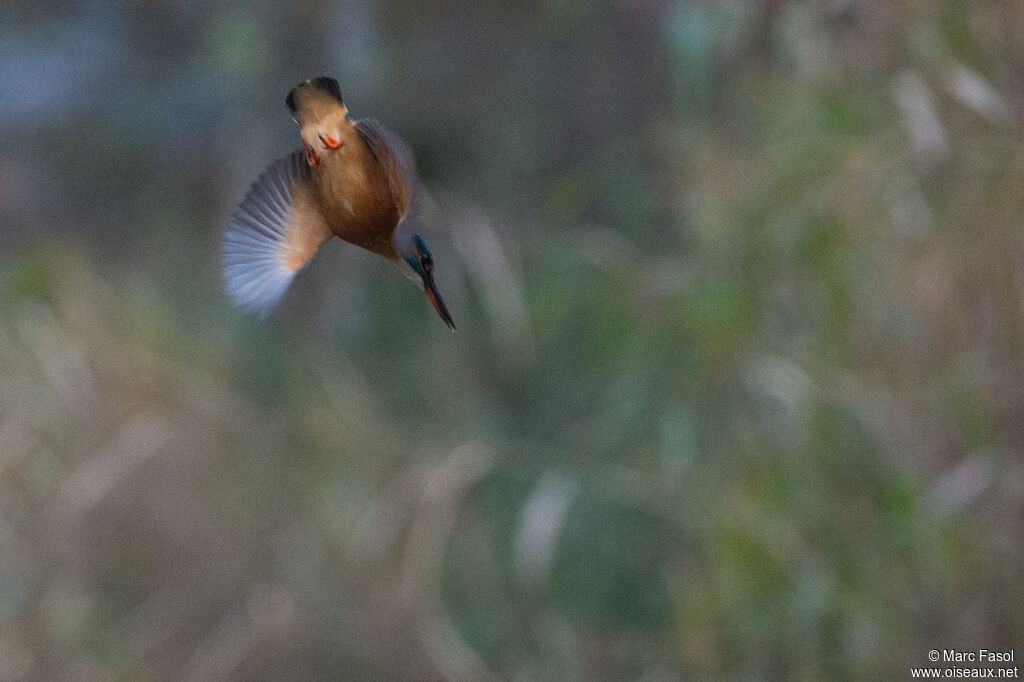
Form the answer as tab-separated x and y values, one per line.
273	233
395	157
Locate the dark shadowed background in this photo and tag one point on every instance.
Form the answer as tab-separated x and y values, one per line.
737	391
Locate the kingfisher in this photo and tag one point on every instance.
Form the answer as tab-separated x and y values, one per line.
353	179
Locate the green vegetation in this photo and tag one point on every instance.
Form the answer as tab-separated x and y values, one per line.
737	388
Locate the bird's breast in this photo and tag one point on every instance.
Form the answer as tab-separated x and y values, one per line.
358	205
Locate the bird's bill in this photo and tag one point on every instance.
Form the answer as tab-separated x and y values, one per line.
435	299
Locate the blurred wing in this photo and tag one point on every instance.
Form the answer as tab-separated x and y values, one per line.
394	155
273	233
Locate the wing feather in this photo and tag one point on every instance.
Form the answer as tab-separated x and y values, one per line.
395	156
272	235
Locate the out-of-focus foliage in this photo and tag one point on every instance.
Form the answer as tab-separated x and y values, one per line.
737	390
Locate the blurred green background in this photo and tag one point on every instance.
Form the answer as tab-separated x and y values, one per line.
737	390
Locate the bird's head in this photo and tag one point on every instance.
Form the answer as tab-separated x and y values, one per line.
416	262
316	105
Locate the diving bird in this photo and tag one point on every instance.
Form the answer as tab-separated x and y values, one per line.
354	179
